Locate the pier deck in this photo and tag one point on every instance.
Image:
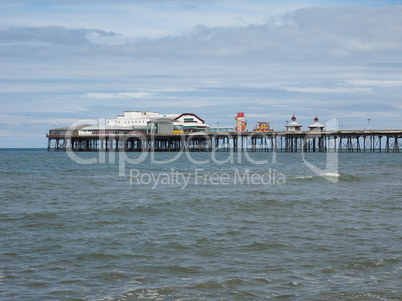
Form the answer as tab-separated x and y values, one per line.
279	141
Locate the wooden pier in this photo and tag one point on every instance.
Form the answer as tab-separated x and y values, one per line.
279	141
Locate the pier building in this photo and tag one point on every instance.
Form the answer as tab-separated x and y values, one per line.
293	126
142	120
316	126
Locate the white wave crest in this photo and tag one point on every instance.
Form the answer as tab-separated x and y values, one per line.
303	177
330	174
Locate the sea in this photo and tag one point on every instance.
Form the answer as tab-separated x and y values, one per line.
200	226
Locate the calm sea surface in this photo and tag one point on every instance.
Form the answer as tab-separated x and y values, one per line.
187	230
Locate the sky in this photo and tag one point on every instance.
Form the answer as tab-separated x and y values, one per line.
74	60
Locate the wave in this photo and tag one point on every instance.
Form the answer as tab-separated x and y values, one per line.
312	178
304	177
372	264
330	174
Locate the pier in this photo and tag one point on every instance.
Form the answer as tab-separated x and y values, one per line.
349	141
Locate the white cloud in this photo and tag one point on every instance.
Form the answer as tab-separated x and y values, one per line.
120	95
327	90
359	114
375	83
258	115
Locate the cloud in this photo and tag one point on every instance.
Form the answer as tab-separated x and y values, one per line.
327	90
51	35
258	115
311	34
375	83
120	95
138	18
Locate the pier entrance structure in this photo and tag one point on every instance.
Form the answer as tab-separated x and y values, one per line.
63	139
146	122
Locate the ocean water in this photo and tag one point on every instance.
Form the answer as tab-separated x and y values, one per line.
200	228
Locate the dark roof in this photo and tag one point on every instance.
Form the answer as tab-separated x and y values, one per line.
191	114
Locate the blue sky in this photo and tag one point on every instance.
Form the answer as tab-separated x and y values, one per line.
63	61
